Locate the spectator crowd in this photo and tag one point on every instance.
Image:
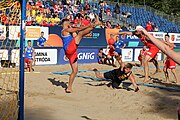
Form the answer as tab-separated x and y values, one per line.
80	13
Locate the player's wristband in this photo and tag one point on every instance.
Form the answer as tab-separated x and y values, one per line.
137	89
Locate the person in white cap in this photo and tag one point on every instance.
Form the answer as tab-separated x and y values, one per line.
150	54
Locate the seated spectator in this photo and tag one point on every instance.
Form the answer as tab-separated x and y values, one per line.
51	20
76	20
108	12
108	25
118	27
51	4
85	21
56	20
12	21
156	29
101	57
33	11
39	18
46	6
100	3
28	6
64	2
87	6
29	19
124	27
153	26
92	16
56	7
3	18
149	26
39	4
78	2
126	14
31	2
130	28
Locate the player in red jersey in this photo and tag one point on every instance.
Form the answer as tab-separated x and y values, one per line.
169	63
150	54
70	45
110	45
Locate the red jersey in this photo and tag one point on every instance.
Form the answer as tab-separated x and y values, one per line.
148	27
147	42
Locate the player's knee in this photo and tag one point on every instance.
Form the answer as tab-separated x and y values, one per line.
173	70
164	69
80	34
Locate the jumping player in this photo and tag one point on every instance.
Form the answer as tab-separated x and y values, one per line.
118	75
169	63
151	53
110	45
70	45
29	56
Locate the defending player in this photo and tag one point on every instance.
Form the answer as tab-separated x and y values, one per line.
153	60
169	63
119	45
151	53
118	75
29	56
162	46
70	45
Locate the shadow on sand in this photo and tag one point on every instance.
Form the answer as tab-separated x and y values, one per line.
58	82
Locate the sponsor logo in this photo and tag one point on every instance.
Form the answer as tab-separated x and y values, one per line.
44	57
86	56
132	37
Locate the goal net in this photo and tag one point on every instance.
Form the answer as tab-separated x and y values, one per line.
10	13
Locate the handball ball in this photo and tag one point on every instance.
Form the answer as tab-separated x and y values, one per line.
110	41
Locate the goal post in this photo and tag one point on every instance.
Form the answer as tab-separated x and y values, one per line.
21	72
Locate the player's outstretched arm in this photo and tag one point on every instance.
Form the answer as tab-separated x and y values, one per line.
163	47
123	33
132	79
71	30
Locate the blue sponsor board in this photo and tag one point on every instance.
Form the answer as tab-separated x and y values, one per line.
94	38
85	55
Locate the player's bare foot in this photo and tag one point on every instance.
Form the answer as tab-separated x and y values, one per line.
177	83
93	69
68	90
146	80
167	82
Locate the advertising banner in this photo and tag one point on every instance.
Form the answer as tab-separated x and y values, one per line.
46	56
32	32
85	55
159	35
127	54
136	54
